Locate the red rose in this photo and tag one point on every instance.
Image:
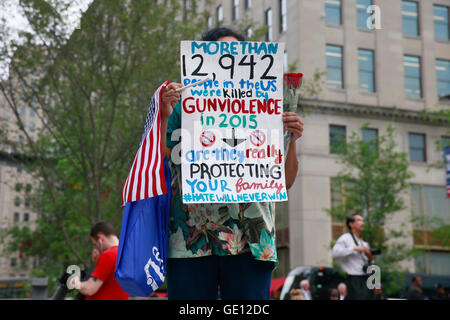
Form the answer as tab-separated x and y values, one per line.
293	80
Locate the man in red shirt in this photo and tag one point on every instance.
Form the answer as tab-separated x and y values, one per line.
102	285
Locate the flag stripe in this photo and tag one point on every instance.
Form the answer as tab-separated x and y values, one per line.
158	164
130	183
141	167
150	172
124	191
145	168
154	189
161	167
146	172
132	189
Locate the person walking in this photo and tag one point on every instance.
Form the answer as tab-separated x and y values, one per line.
354	256
102	285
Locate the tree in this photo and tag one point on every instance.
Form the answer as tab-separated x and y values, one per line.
376	177
91	91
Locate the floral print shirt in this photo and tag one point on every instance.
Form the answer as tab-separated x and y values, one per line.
197	230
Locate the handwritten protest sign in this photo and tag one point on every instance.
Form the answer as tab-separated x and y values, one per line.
232	130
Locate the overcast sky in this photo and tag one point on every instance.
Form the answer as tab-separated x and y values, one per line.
10	11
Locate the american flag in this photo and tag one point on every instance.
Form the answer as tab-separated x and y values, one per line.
146	177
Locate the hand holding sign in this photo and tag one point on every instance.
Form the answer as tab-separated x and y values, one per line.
293	123
170	95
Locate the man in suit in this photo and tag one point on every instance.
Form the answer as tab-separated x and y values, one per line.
342	288
304	288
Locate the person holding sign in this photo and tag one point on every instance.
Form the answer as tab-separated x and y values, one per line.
221	246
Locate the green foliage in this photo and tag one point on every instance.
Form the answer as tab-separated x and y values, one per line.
313	86
438	117
376	176
91	92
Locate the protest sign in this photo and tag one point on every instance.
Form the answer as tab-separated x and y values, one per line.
232	130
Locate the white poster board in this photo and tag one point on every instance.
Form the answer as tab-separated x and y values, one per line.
232	130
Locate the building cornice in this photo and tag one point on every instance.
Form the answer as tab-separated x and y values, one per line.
392	114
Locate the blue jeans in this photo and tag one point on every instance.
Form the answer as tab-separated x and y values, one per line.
239	277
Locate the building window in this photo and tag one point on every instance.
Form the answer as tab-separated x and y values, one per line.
336	194
337	139
248	4
339	188
285	62
333	12
235	13
410	18
334	66
27	201
32	112
31	126
17	201
361	11
413	83
417	147
366	70
269	34
185	9
219	15
434	263
209	22
18	187
441	25
283	15
23	264
21	140
430	208
13	262
445	142
443	77
22	111
16	217
249	32
26	217
370	136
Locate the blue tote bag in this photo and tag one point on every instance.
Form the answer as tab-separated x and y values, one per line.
143	244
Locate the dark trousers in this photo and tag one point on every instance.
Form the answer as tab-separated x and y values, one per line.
357	288
240	277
